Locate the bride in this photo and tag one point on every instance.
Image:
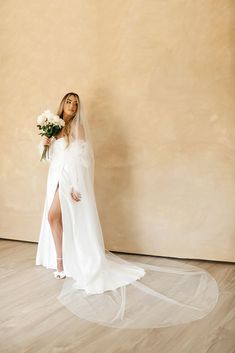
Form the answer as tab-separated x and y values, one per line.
98	285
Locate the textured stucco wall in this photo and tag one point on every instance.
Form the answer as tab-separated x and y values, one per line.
157	81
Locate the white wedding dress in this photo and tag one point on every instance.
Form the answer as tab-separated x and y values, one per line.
100	286
83	248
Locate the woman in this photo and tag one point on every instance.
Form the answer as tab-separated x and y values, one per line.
67	111
102	287
77	248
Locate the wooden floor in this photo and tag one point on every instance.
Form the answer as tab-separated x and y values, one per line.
33	320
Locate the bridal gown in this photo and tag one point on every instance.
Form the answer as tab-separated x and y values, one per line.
100	286
82	248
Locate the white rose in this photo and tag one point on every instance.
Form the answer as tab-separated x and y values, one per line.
41	120
56	120
49	116
47	112
62	123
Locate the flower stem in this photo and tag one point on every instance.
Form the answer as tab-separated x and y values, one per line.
45	153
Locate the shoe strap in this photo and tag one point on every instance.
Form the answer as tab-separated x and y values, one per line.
57	273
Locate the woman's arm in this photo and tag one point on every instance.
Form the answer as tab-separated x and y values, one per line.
45	141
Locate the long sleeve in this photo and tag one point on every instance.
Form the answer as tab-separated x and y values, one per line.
77	159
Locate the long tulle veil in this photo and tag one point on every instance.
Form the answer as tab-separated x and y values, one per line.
80	124
164	293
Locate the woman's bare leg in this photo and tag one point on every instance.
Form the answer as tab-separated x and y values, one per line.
55	220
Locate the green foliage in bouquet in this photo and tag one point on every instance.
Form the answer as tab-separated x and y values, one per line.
49	125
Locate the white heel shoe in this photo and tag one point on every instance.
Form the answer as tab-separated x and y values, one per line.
59	274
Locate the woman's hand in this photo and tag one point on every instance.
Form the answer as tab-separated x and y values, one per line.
46	141
76	196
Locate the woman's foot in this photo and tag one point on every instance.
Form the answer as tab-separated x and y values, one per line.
59	274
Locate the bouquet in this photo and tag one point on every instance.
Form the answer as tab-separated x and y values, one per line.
49	125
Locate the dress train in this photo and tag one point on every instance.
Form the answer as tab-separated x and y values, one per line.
100	286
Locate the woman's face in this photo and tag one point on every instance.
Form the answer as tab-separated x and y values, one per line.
70	107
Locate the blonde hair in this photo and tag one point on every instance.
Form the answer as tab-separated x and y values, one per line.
60	112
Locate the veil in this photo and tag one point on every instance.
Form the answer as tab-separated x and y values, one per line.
111	291
80	134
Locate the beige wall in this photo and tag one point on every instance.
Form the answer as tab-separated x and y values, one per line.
157	81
